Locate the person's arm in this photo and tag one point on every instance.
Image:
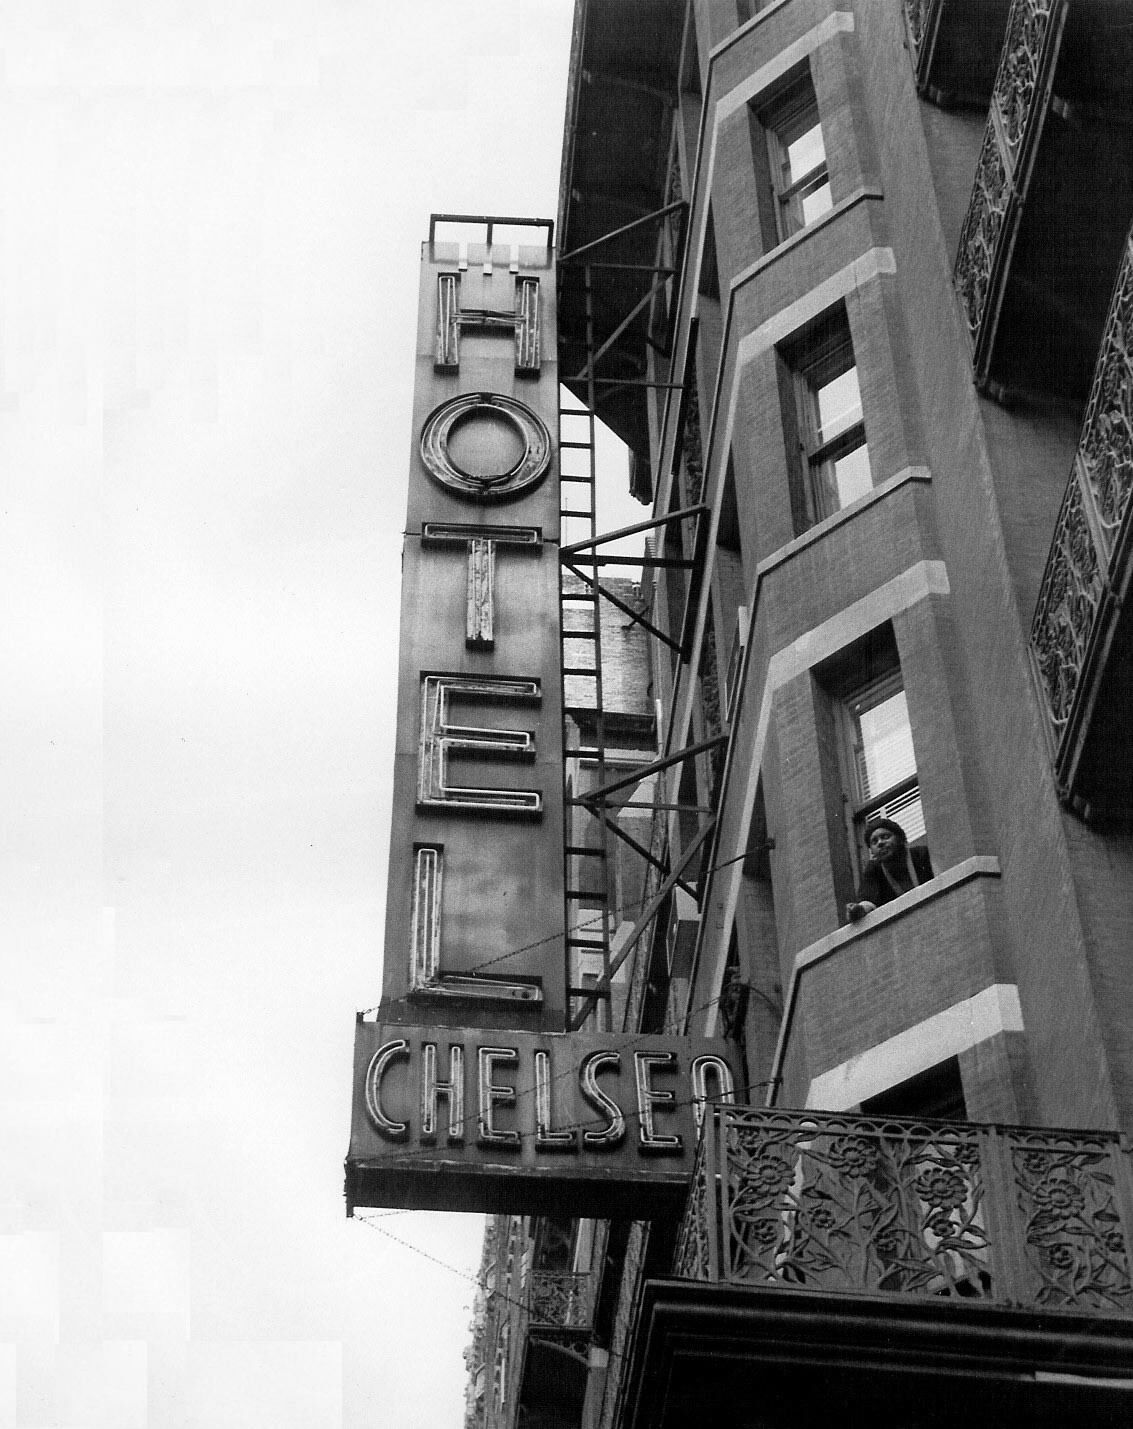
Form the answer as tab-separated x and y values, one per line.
865	900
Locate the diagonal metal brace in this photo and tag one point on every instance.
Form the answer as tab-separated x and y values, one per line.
675	207
593	796
635	615
647	916
576	547
640	849
621	327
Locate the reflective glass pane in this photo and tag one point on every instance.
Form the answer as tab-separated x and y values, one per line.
839	404
885	744
817	201
805	153
852	476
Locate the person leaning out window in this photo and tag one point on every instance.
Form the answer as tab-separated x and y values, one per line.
893	868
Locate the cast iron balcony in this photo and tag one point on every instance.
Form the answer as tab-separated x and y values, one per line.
561	1302
553	1358
955	46
1081	636
1018	107
891	1208
1051	202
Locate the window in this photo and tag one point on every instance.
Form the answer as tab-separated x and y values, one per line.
937	1092
881	764
828	406
867	759
797	156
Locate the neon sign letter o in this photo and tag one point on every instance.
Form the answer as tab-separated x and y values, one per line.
522	476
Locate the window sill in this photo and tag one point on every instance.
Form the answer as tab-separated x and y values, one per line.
969	869
980	866
839	518
745	275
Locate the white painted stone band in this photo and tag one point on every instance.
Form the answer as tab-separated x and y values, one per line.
946	1034
840	22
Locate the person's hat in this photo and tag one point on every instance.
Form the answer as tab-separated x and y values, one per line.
875	824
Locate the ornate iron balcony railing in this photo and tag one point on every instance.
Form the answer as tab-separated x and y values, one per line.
820	1201
564	1302
1018	107
921	18
1091	538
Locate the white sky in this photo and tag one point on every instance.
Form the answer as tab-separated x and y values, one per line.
211	217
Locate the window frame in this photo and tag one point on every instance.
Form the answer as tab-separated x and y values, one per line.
816	358
785	120
860	806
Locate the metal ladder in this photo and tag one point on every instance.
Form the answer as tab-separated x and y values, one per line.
581	660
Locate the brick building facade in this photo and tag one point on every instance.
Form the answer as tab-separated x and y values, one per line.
880	353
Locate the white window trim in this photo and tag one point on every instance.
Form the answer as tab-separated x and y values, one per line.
946	1034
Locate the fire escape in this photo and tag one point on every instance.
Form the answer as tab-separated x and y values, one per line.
617	296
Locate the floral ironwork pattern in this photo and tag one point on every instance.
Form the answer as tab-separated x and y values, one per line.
691	1260
918	18
899	1207
979	236
1106	447
833	1204
1014	122
1074	1240
1068	602
560	1300
1093	516
1018	75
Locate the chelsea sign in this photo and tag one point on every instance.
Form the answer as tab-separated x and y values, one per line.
594	1123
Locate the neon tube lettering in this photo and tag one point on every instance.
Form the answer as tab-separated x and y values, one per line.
725	1086
545	1138
379	1062
613	1133
492	1096
452	1091
649	1100
439	738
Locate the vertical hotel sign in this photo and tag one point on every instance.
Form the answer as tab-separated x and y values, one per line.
475	882
468	1093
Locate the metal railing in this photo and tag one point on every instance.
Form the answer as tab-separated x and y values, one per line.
564	1302
892	1207
1018	107
921	17
1092	535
